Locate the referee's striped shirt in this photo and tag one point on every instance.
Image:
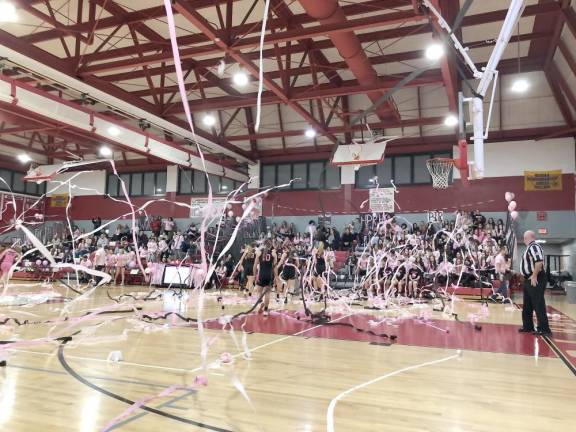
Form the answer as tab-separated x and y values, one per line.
532	255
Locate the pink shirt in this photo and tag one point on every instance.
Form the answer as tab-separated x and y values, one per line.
121	260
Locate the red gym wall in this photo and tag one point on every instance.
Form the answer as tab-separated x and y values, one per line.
485	195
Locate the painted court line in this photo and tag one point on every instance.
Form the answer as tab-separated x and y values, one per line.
94	377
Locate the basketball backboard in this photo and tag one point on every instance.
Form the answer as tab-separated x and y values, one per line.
361	152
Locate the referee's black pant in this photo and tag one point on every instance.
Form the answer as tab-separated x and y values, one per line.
534	302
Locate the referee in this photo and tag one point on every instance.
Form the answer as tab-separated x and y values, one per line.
534	285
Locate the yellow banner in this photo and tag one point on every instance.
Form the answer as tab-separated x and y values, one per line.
543	180
59	200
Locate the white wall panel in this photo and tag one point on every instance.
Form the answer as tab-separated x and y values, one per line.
504	159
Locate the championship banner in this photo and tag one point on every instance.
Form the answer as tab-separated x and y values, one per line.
59	200
382	200
543	180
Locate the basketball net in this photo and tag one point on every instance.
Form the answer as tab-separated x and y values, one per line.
439	169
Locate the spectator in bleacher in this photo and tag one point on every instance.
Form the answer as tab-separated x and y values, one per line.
96	223
176	245
169	226
335	239
152	249
347	238
142	239
163	248
102	241
156	226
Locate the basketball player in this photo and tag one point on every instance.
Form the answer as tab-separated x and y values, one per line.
319	268
287	273
264	264
247	265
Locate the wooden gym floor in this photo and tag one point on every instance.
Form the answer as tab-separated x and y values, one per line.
501	381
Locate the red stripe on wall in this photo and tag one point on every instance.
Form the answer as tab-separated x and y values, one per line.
485	195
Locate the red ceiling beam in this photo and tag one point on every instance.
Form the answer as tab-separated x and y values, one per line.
24	129
563	132
330	15
557	32
342	129
567	56
201	24
318	91
304	70
59	28
243	29
240	44
283	11
449	10
54	62
570	17
252	42
305	93
554	82
156	12
563	85
18	146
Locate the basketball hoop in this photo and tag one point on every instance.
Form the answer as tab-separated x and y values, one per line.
440	169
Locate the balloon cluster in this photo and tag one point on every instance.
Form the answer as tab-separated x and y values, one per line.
509	197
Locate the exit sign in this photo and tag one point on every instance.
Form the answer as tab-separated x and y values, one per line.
542	230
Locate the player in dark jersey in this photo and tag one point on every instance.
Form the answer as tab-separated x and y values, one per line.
264	266
246	265
287	271
383	277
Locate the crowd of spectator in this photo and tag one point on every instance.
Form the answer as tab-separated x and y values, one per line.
392	253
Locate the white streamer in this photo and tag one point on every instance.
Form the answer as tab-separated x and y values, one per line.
261	67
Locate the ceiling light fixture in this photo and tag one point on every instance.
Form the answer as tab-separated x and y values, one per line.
240	78
209	120
24	158
8	12
434	52
114	131
310	133
520	85
105	151
451	120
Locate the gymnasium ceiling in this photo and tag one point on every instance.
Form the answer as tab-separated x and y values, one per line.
122	47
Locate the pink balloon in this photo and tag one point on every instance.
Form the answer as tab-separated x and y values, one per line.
512	206
38	263
225	357
230	213
509	196
45	262
514	215
200	380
